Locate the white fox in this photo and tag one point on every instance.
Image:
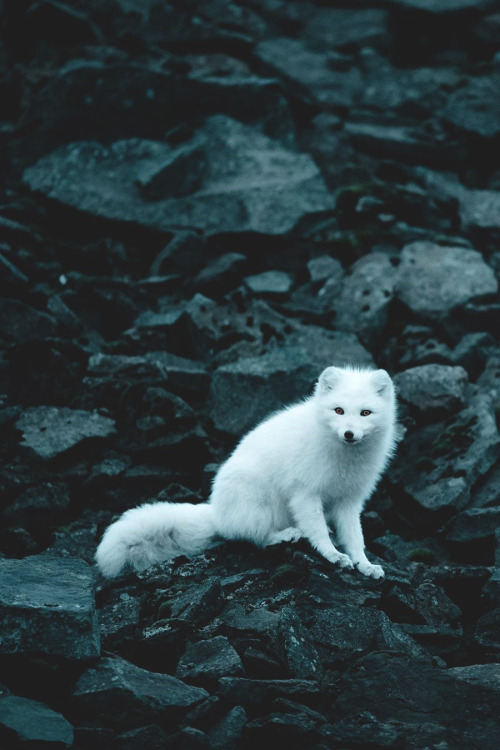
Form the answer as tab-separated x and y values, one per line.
307	467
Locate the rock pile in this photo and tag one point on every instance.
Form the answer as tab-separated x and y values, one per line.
202	206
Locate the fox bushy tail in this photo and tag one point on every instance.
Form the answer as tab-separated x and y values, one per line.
155	532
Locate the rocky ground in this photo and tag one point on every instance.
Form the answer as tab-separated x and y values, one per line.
202	205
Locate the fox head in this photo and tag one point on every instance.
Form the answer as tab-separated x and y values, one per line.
355	404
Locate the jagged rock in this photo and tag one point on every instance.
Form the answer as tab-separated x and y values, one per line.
50	431
122	695
187	376
206	661
324	267
226	734
366	293
47	607
296	729
296	647
434	390
403	143
20	323
433	280
251	183
351	630
119	621
199	603
331	28
29	723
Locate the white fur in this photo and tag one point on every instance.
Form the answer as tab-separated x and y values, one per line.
293	476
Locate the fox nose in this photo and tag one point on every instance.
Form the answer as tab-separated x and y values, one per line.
348	435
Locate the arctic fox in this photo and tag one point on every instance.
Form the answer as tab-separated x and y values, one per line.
305	468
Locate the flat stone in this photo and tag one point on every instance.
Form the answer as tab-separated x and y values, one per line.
123	695
270	282
322	268
433	280
251	183
487	675
209	660
50	430
434	390
47	607
23	720
474	525
227	732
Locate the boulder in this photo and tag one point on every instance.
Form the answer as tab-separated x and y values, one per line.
433	390
47	607
28	723
250	183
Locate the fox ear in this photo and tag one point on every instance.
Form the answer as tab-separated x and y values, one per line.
382	382
328	379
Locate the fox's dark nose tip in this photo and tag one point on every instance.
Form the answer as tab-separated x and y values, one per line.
348	435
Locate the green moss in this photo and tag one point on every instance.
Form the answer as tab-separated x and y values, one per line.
421	554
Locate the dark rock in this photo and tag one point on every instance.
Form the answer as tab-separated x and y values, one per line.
403	143
206	661
226	734
485	675
28	723
20	323
433	280
258	622
119	621
487	633
221	274
47	607
122	695
296	729
472	533
415	689
243	692
39	509
434	390
59	24
184	252
296	647
252	183
199	603
366	293
185	375
189	739
346	28
179	173
50	431
152	737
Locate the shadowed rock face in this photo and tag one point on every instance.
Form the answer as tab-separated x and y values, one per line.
202	206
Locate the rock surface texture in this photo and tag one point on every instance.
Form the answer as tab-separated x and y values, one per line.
202	206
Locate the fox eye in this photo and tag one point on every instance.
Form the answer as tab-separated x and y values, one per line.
338	410
365	413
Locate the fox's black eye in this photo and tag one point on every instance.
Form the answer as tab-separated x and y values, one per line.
338	410
365	413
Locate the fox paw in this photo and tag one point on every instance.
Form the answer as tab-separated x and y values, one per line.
343	561
287	535
370	570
